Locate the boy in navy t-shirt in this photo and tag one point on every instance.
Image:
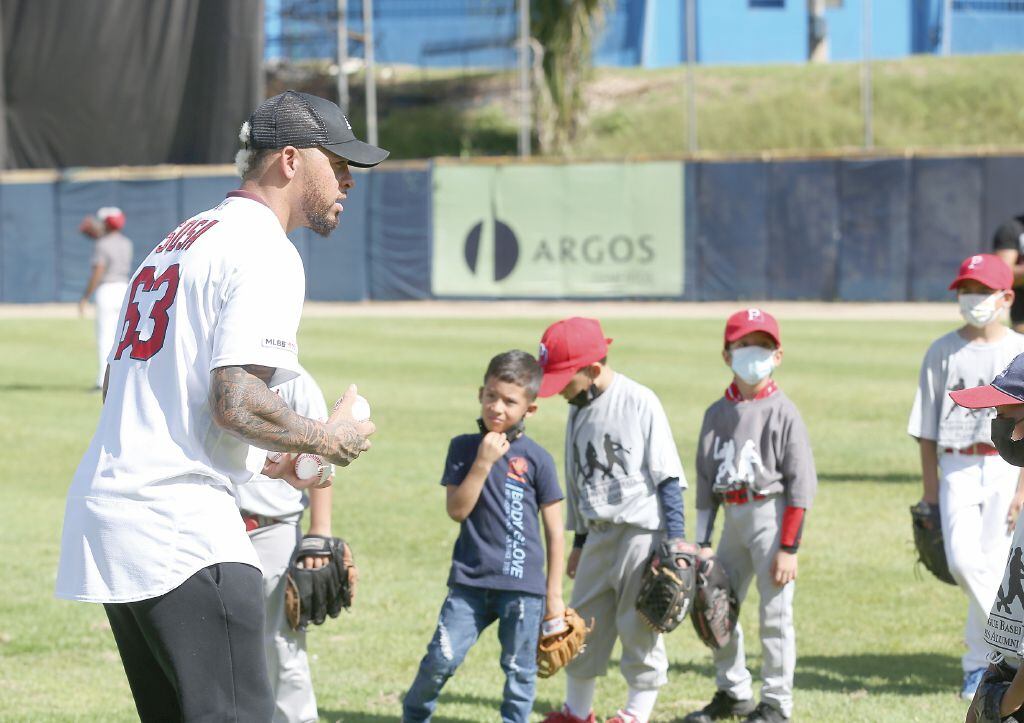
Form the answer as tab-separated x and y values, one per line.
497	481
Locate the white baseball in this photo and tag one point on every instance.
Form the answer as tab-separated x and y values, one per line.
308	466
360	408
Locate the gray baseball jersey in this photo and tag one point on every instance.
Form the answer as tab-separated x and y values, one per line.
952	363
1004	630
760	444
618	449
114	251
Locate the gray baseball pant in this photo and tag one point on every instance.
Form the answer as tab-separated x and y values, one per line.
287	662
607	583
750	541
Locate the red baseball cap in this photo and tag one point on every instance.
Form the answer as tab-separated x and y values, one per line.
112	217
566	347
750	320
1006	388
987	269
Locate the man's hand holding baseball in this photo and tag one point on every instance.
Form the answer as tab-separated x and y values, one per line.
347	437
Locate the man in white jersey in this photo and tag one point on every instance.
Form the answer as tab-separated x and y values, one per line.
978	494
272	512
151	529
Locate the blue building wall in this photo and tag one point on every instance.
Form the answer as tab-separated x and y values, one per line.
733	31
651	33
987	27
892	23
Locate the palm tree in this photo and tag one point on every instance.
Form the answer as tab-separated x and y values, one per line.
564	31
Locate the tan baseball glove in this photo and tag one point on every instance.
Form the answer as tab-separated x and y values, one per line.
556	650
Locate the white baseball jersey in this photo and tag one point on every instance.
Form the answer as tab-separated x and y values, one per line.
273	497
150	503
952	363
618	449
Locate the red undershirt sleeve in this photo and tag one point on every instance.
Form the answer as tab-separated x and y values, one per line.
792	528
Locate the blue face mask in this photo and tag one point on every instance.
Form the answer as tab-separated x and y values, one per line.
753	363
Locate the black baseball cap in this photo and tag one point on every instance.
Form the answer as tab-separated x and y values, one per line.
302	120
1006	388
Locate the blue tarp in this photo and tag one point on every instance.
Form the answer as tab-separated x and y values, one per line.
888	229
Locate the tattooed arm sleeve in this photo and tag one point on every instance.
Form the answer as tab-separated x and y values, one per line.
244	406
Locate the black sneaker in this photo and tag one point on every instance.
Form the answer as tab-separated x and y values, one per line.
766	713
722	707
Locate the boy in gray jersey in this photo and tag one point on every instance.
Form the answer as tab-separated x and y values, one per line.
754	459
624	486
272	511
978	494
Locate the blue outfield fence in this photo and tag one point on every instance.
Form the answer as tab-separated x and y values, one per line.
847	229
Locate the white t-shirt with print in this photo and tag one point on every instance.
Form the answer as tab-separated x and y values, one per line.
273	497
618	449
950	364
151	501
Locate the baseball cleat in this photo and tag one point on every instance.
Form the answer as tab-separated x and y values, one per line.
722	707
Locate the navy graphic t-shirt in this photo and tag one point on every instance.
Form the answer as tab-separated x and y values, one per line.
499	545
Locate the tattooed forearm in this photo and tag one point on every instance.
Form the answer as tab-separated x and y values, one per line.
244	406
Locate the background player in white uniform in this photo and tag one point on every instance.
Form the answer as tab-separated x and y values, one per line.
1004	632
979	495
754	459
272	512
108	278
151	529
624	486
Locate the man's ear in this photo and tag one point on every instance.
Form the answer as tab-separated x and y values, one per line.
1010	296
289	161
531	409
727	357
480	395
778	356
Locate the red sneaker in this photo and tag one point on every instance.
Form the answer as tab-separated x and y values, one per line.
564	716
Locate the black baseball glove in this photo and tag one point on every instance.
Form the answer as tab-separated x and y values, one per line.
311	594
715	607
668	584
928	540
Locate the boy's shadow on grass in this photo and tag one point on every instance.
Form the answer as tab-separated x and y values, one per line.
356	716
904	674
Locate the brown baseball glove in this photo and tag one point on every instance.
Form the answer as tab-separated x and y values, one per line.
556	650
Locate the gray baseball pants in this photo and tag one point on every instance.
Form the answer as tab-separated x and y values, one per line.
287	663
607	582
750	540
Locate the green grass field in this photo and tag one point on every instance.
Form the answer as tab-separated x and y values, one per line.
877	641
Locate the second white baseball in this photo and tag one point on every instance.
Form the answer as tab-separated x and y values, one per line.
308	466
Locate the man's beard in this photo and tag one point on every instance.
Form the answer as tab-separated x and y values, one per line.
319	219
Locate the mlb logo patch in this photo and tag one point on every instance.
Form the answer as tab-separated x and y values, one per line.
542	355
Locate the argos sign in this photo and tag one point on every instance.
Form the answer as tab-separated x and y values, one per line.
559	231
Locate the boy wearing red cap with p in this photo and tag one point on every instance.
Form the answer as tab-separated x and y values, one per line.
624	486
978	494
754	460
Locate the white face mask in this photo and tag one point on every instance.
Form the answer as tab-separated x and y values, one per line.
979	310
753	363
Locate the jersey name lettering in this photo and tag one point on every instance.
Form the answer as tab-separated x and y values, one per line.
181	238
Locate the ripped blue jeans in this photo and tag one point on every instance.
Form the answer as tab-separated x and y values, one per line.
466	612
